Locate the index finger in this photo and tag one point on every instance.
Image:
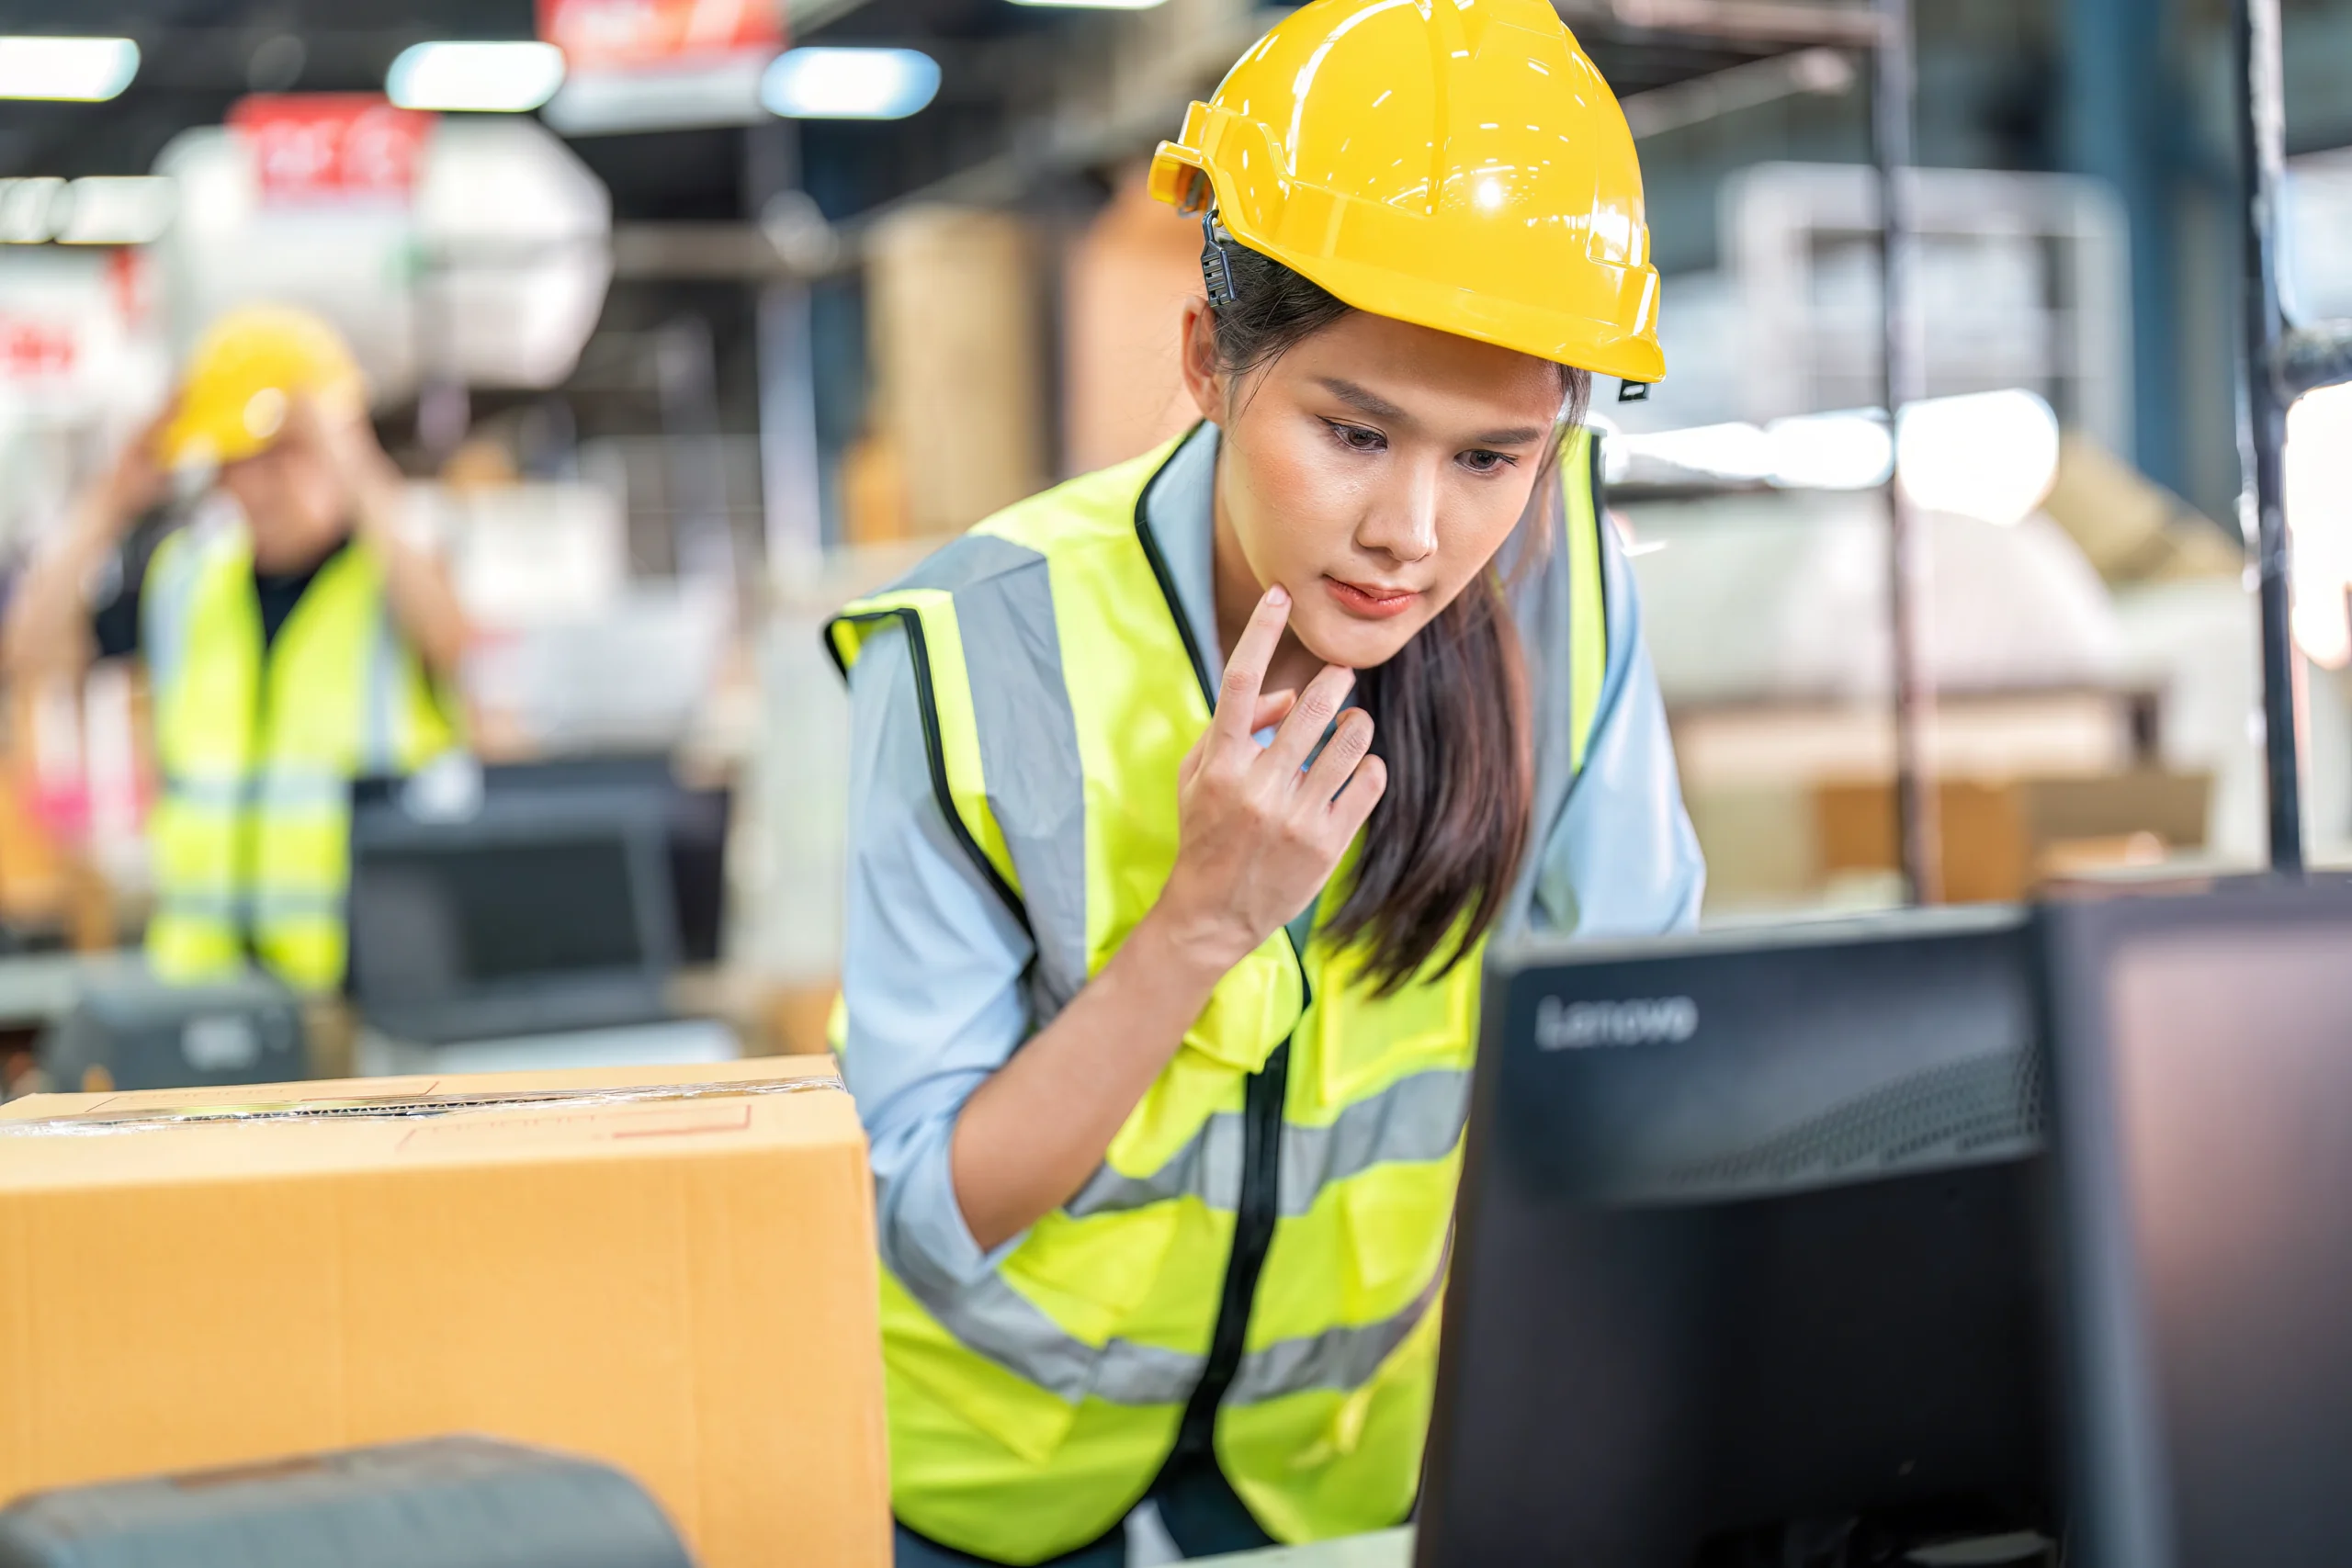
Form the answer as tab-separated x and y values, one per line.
1245	672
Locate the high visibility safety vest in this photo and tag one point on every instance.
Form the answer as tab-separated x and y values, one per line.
251	838
1267	1236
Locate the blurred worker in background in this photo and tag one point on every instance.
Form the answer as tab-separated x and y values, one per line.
293	636
1184	798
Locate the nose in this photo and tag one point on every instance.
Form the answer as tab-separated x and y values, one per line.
1402	523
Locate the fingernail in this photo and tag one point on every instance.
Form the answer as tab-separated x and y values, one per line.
1278	596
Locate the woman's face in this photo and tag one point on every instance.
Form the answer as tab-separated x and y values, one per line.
1371	470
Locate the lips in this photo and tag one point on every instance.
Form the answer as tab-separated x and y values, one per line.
1370	600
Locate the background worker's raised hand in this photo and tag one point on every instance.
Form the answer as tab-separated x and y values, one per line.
48	622
1259	831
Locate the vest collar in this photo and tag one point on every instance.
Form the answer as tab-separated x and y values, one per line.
1176	518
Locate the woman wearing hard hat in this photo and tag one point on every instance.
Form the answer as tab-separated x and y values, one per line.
1186	795
292	636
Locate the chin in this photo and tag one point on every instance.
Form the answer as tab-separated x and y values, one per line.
1336	638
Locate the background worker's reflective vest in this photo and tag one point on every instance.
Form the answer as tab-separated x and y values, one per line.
250	840
1306	1129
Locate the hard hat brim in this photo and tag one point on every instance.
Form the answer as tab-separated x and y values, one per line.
1585	342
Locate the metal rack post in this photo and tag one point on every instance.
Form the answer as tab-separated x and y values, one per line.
1917	824
2262	421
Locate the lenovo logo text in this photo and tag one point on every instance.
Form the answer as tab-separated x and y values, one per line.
1645	1021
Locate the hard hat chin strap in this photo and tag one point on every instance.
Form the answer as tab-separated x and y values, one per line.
1217	262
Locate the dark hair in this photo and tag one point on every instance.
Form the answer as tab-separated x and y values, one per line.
1450	711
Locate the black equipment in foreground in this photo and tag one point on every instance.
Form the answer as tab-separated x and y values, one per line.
130	1030
528	899
1752	1263
446	1503
2202	1051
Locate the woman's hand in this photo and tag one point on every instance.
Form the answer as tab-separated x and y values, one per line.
1258	831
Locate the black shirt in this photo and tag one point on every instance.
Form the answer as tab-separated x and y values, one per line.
115	623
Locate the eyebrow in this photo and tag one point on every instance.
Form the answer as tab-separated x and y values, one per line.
1374	405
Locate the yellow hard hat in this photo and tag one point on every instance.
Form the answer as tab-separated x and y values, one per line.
1456	163
243	377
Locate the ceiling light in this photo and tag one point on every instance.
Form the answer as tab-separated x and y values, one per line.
75	69
117	209
848	83
700	92
509	77
1991	456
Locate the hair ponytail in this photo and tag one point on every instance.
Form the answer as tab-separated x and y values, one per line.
1450	710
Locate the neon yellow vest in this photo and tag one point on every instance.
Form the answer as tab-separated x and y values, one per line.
1306	1130
251	837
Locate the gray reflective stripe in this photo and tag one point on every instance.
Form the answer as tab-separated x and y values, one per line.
1208	1167
305	789
991	1319
1414	1120
283	789
280	904
167	603
379	740
1542	605
187	903
213	794
1343	1358
1028	740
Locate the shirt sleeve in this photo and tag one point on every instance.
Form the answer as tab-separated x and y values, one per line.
931	975
115	596
1622	860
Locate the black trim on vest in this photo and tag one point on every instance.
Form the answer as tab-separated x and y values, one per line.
1257	1209
1166	579
1600	545
935	749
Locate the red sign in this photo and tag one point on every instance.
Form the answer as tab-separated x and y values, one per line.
618	33
35	348
331	146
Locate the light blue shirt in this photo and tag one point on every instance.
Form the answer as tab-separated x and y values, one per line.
933	960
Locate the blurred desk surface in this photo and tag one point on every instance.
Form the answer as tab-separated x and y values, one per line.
1388	1548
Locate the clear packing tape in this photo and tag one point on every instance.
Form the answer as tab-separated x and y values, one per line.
142	1118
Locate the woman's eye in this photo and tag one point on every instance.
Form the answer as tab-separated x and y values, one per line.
1356	438
1480	461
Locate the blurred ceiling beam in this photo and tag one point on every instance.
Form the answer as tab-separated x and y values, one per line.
1825	72
1780	22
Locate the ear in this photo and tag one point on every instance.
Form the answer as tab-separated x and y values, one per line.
1202	379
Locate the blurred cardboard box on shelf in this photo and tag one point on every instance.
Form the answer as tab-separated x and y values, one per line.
669	1268
2000	839
957	334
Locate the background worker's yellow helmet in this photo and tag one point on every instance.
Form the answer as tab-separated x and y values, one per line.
241	380
1456	163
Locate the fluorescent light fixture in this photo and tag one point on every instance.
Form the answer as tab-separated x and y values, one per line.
1992	456
848	83
29	209
509	77
718	90
117	209
2319	515
67	70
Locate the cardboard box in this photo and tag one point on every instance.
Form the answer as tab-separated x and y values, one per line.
669	1268
2001	839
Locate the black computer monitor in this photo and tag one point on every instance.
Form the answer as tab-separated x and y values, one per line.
529	898
2202	1057
1751	1261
